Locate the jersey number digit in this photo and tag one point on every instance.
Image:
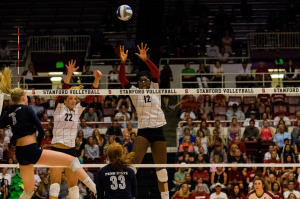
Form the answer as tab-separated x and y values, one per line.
147	99
68	117
115	185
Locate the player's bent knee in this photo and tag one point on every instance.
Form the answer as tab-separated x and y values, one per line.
75	164
26	195
74	192
54	189
162	175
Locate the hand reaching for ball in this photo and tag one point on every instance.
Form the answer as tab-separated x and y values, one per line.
97	74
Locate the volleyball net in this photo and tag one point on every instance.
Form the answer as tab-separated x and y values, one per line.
203	144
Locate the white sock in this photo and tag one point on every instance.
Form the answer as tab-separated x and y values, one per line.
90	184
164	195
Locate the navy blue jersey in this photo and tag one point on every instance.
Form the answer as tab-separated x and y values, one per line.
112	184
23	122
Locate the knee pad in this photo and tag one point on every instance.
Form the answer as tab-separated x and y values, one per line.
74	192
26	195
75	164
162	175
54	189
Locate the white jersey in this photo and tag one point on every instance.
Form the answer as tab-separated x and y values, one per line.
65	124
148	109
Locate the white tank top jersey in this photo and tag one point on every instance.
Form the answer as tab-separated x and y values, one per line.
148	109
65	124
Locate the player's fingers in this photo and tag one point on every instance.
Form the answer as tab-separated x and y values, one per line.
77	68
142	45
126	52
74	62
145	46
137	54
67	66
147	49
138	47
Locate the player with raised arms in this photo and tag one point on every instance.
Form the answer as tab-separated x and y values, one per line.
117	179
151	118
260	190
25	123
66	118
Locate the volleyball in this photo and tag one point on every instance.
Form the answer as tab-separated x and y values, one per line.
124	12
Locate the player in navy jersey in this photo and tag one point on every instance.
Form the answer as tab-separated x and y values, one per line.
117	179
66	118
24	123
151	118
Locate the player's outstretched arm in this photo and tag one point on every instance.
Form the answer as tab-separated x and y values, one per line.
98	75
71	69
122	78
143	56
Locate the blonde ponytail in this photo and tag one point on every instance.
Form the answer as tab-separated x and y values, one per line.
5	86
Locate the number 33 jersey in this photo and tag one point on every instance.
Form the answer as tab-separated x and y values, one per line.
65	124
148	109
111	184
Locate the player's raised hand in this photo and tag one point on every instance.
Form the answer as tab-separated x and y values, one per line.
123	54
143	52
71	66
97	74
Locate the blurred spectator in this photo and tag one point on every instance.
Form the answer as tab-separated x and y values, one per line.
216	138
91	115
44	189
79	150
262	74
97	106
129	129
187	114
291	189
4	141
124	100
166	77
187	132
87	77
202	76
212	51
87	131
37	107
267	155
201	141
241	145
186	143
266	132
279	98
183	193
251	132
4	51
263	99
113	77
91	150
63	187
5	107
235	178
295	134
290	75
288	150
199	192
218	194
46	142
281	112
28	75
220	100
99	139
220	152
227	42
186	101
252	110
133	137
223	56
233	129
276	190
280	137
235	113
80	136
37	179
110	101
244	75
123	116
236	193
115	130
127	143
204	128
189	125
179	176
238	157
269	113
5	182
218	75
188	78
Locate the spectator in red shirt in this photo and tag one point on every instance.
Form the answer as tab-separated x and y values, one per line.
241	145
236	193
263	99
273	158
199	193
252	173
276	190
235	177
281	111
279	98
262	74
201	173
46	142
220	100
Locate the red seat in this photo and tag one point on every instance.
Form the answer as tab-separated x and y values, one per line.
236	99
261	109
293	99
293	108
251	148
109	111
219	117
220	110
276	108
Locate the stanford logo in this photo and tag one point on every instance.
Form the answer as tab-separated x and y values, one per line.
186	90
33	92
109	91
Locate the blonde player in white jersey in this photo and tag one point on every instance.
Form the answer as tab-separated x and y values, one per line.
66	118
151	118
260	190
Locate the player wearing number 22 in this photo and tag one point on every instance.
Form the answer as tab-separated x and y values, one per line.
66	117
116	180
151	118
